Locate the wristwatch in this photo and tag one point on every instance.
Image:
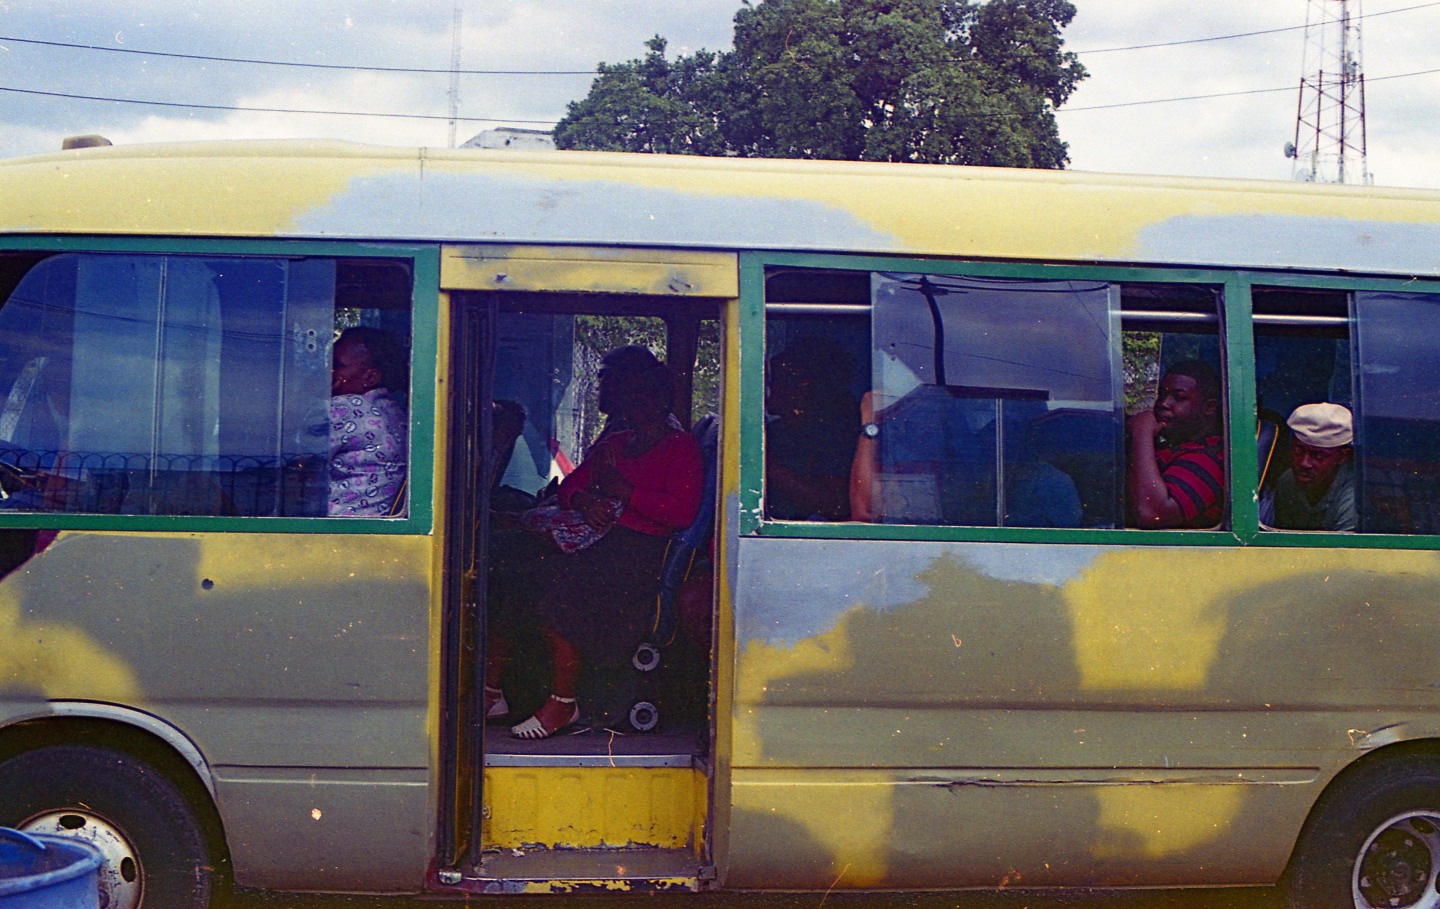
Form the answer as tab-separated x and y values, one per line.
870	430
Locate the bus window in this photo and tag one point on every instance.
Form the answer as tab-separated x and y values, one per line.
987	402
1174	398
1397	413
817	338
1302	357
185	385
978	382
1361	351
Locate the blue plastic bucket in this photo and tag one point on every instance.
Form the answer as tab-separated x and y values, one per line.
41	871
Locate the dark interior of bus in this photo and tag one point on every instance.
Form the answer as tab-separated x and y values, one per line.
1302	355
652	704
1029	433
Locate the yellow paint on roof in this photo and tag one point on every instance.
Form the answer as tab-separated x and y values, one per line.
260	189
217	189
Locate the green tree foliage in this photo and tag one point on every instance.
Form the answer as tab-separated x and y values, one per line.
1141	363
931	81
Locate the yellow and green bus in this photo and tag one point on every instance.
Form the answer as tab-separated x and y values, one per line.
917	642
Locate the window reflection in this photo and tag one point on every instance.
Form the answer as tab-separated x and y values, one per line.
981	386
1398	413
169	385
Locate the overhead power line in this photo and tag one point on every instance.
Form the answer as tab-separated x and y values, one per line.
1252	91
257	61
1265	31
270	110
383	114
339	66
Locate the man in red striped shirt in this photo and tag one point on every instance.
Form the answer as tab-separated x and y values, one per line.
1176	473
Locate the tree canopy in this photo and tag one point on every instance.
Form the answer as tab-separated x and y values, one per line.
932	81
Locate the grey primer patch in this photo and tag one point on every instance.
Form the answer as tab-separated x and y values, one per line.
798	589
533	210
1287	241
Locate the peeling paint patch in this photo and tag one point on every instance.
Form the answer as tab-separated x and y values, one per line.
1292	241
1140	622
1385	735
479	206
55	659
1139	822
816	592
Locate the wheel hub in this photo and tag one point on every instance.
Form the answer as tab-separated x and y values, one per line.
1397	867
121	885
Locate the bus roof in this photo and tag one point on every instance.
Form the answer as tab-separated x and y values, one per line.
335	190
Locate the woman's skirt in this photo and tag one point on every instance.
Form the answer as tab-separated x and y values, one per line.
601	599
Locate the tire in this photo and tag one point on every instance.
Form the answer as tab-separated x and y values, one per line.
154	847
1373	842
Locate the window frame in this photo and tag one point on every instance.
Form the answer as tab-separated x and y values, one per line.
1254	533
1238	344
753	358
424	261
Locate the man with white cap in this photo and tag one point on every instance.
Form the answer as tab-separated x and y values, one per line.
1317	492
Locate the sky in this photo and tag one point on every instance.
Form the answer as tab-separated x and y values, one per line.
1107	124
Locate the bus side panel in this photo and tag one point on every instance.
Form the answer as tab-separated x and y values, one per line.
327	829
297	664
947	714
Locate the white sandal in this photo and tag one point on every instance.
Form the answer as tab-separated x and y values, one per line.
549	719
495	704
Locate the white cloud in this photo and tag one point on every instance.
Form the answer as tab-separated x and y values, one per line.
1242	135
357	91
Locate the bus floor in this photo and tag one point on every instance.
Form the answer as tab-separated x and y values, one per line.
583	747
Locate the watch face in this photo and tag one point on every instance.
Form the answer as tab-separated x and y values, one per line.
870	430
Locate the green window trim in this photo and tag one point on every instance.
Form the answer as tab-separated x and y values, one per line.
425	310
1243	527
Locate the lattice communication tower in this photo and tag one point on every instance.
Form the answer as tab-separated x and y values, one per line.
456	30
1329	144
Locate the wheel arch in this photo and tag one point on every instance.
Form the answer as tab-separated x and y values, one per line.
1414	749
135	734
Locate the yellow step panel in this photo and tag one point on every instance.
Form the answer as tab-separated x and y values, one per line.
587	807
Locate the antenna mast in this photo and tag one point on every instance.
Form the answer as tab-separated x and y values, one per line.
1329	144
455	32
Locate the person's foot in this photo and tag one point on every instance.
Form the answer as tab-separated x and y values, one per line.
555	714
496	707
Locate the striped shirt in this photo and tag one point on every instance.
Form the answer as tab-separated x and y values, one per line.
1194	476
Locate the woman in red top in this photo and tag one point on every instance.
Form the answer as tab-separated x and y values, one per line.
595	603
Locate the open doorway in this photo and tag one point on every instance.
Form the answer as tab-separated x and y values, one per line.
644	724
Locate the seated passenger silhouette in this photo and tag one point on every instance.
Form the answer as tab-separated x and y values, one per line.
810	442
1317	491
1175	473
368	425
591	588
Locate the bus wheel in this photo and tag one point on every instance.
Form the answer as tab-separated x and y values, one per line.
153	847
1374	842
